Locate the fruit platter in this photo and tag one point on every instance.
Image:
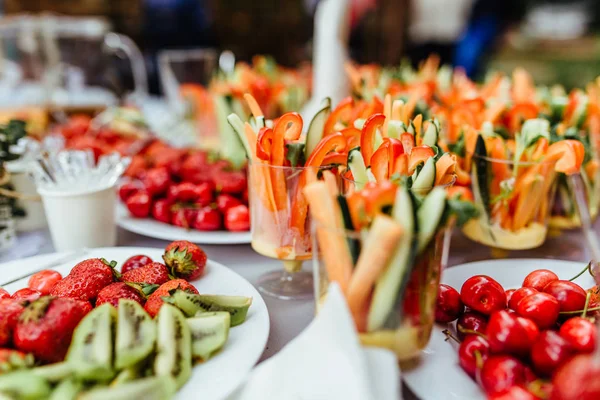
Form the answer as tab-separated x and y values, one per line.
509	329
129	327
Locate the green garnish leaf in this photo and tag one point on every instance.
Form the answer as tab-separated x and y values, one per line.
295	154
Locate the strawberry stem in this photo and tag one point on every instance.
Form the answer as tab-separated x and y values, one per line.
587	268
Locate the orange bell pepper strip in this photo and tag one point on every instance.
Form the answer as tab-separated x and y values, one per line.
418	124
519	113
352	136
253	105
332	143
408	142
387	111
540	149
523	88
367	139
445	167
293	123
383	160
401	165
378	196
568	155
459	192
375	107
419	155
335	158
463	178
264	143
341	113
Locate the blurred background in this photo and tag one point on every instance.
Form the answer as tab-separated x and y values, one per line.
544	36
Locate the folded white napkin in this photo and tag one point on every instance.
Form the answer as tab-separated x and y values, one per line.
325	362
330	53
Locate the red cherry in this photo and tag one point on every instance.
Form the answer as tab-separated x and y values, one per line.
472	353
511	334
539	278
237	219
471	321
514	393
549	352
44	281
134	262
577	379
4	294
499	373
226	201
541	308
26	294
570	296
509	293
448	306
580	333
208	219
519	295
482	293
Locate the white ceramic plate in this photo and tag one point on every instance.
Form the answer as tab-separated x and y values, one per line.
159	230
220	376
437	374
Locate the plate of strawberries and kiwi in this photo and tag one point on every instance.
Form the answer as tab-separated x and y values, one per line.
512	329
170	193
128	322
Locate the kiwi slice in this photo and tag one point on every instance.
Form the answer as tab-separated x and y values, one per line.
186	302
210	331
173	345
91	350
191	304
54	372
68	389
152	388
24	385
136	334
127	375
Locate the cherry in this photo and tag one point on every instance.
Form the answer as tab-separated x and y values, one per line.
482	293
577	379
519	295
134	262
509	333
509	293
541	308
549	352
471	321
570	296
472	353
514	393
580	333
448	306
539	278
499	373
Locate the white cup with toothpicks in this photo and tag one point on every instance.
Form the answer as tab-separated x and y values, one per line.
79	198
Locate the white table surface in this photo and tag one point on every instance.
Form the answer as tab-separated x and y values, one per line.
289	318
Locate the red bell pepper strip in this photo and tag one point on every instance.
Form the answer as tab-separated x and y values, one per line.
419	155
264	143
352	136
382	162
289	122
518	113
335	158
367	139
408	142
401	165
341	113
378	196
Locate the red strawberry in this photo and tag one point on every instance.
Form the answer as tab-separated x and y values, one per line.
10	310
155	300
185	260
86	279
26	294
46	326
11	360
4	294
120	290
153	273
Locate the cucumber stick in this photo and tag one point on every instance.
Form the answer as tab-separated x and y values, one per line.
425	178
315	129
357	166
429	216
387	287
238	126
232	148
430	137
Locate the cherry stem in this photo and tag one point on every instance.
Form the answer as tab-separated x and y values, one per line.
470	332
588	296
587	268
478	359
449	335
579	311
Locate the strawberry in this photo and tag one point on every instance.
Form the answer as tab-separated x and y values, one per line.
26	294
10	310
86	279
121	290
11	360
185	260
155	300
4	294
153	273
46	326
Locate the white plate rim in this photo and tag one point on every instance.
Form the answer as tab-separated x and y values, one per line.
449	364
160	230
258	312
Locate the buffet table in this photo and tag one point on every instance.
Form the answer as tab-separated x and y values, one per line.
289	318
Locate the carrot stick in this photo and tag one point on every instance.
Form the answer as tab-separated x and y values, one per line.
418	123
331	182
253	105
251	138
383	238
397	106
387	111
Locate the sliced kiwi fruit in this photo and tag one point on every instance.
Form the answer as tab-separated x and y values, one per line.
191	304
152	388
136	334
173	345
54	372
210	331
24	385
126	375
68	389
91	350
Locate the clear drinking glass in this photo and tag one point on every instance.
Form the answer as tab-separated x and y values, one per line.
514	200
280	224
410	313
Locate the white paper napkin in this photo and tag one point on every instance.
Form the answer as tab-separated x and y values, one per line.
325	362
330	53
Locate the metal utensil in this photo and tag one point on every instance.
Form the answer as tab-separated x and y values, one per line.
55	263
